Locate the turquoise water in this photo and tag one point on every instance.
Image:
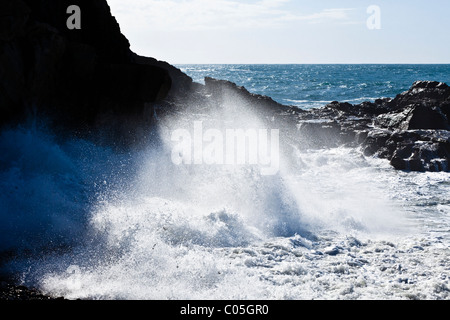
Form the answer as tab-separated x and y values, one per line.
309	86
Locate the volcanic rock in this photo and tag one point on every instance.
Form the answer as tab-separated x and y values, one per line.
89	80
80	79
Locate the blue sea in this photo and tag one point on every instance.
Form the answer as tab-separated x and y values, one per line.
311	86
94	223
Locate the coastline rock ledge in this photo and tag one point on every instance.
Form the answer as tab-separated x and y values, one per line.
82	79
88	81
411	130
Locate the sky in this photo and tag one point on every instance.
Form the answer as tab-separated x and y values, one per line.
287	31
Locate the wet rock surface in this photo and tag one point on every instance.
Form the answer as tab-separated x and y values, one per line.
82	80
410	130
89	81
10	292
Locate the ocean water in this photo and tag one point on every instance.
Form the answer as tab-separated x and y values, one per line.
310	86
94	223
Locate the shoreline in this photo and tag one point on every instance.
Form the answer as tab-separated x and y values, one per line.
92	85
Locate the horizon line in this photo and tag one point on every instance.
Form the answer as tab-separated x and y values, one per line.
296	63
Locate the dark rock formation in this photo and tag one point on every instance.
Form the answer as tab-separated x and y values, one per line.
89	80
410	130
80	79
222	91
425	106
416	136
427	93
9	292
414	117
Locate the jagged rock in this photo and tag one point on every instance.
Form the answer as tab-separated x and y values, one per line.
99	29
413	117
344	107
320	134
365	109
375	141
429	93
180	82
84	79
223	90
9	292
421	150
89	79
423	156
411	130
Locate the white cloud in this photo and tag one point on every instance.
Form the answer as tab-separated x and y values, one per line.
175	15
341	14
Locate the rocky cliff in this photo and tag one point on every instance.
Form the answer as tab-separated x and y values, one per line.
410	130
80	79
88	80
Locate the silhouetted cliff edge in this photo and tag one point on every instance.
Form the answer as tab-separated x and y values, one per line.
88	80
82	78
